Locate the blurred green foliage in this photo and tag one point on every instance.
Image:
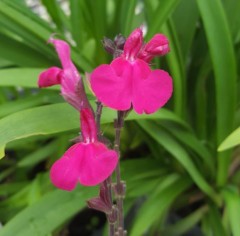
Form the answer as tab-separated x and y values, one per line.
177	180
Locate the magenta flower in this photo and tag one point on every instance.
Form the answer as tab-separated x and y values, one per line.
89	162
129	82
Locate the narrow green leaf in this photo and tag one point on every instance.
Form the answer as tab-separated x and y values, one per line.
48	213
232	140
35	34
185	20
185	224
186	137
38	155
25	77
56	13
175	62
31	101
77	22
212	222
232	199
232	9
224	65
21	54
159	201
160	15
41	121
201	98
20	6
173	147
127	14
10	188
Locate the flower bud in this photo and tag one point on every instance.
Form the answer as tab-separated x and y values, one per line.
119	41
108	45
157	46
99	205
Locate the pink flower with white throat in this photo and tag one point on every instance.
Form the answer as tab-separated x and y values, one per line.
129	82
88	162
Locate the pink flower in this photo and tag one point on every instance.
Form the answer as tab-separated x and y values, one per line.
129	82
68	77
89	162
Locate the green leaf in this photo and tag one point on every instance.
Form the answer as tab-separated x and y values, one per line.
25	77
232	199
173	147
160	200
175	62
44	216
232	140
10	107
127	14
20	53
34	33
160	15
212	222
224	65
185	19
186	137
38	155
10	188
78	22
56	118
185	224
56	13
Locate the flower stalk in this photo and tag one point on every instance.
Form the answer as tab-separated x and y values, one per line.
128	83
107	184
119	186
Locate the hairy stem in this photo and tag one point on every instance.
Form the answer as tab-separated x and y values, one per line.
108	181
120	186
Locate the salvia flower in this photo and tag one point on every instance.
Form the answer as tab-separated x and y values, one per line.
88	162
128	82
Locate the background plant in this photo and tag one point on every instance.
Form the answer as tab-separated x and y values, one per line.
177	180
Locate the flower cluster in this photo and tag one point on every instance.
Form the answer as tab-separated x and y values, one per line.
128	82
88	162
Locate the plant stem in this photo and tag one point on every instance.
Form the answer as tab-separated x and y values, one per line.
120	186
108	181
98	116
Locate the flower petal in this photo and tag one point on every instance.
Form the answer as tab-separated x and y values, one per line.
97	165
133	44
152	93
65	172
112	84
71	77
63	51
89	164
49	77
88	125
72	88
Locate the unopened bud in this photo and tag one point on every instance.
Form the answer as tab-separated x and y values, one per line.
99	205
157	46
119	41
108	45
